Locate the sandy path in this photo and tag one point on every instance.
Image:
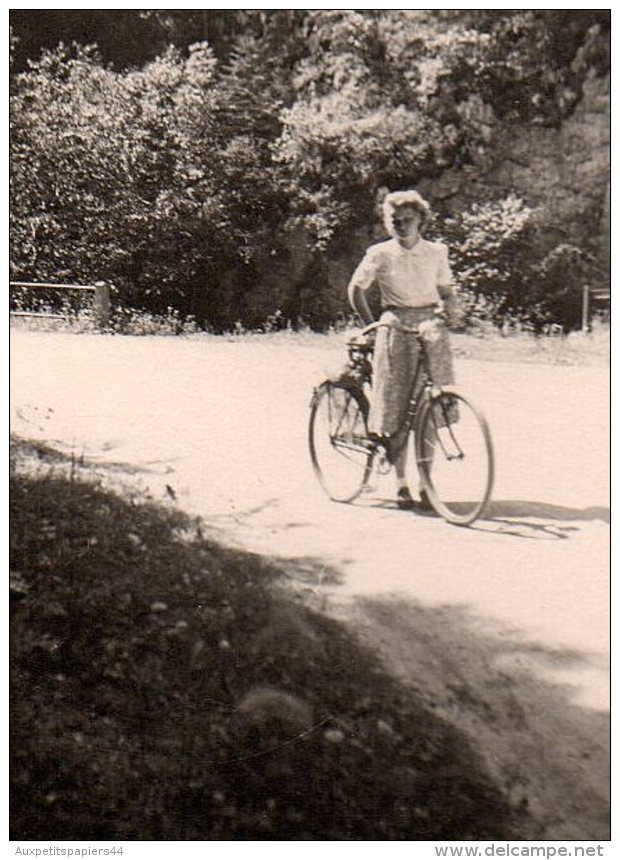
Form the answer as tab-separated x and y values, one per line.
503	627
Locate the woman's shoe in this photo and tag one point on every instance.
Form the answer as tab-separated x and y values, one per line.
404	499
425	503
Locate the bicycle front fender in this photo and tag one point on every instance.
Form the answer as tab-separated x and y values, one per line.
438	390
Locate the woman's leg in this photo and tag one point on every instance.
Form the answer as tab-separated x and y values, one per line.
390	374
400	440
442	371
440	359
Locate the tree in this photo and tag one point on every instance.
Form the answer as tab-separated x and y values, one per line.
156	179
100	172
220	177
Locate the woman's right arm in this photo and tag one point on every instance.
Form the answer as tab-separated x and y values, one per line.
362	278
357	300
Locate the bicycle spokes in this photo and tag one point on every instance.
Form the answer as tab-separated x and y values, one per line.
339	447
444	418
455	457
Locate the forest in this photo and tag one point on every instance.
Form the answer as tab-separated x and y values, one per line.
228	165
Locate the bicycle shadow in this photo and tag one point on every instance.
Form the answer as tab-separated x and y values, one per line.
521	518
518	518
507	509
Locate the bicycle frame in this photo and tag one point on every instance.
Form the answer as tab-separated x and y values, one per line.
422	384
444	424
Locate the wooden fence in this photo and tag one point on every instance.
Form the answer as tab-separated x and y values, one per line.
101	299
593	298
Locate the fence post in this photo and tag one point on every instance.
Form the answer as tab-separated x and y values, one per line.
585	308
102	304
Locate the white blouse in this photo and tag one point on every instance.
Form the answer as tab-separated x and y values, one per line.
407	277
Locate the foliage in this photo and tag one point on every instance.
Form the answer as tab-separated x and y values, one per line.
386	99
506	277
192	178
527	67
509	279
132	322
490	246
559	280
125	37
359	121
116	175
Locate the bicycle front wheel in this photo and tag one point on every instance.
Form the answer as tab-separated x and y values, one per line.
454	454
338	438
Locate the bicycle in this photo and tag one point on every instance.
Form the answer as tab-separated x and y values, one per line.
451	437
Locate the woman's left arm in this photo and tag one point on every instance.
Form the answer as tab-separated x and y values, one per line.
450	304
446	288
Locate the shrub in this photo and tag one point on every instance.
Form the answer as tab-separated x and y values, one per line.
489	246
507	276
144	178
136	322
560	278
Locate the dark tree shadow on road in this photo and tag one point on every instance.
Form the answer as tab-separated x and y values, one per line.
168	688
548	750
185	690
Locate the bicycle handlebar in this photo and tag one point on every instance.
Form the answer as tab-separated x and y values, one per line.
439	317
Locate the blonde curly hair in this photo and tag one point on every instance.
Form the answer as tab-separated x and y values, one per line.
396	199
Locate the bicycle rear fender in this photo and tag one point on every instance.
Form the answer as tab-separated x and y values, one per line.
350	385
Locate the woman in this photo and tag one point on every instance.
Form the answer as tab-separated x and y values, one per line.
414	277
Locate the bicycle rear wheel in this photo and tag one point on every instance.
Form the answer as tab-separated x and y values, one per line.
340	450
454	454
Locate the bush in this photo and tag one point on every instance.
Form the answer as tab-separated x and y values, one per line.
130	321
507	276
144	178
560	278
489	244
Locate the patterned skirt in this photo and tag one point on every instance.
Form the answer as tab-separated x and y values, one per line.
394	364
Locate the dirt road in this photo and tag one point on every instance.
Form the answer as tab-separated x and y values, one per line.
503	627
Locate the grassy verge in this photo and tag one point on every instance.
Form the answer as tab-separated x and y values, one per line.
166	688
577	348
